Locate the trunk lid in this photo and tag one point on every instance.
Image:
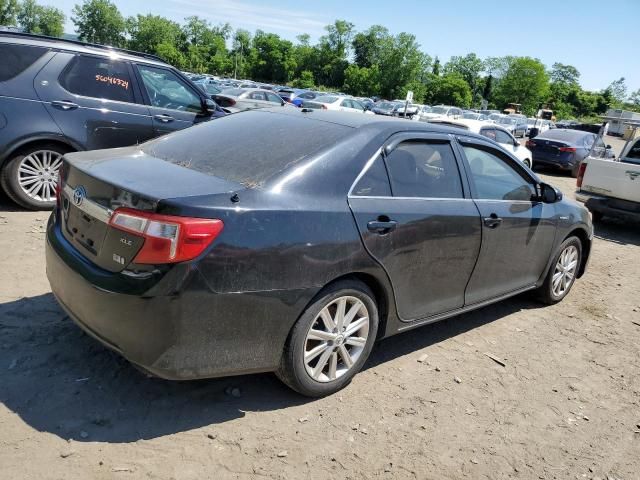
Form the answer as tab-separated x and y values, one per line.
94	184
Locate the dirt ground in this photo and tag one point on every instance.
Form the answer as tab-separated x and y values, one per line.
430	404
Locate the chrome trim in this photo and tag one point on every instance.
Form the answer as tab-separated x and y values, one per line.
88	206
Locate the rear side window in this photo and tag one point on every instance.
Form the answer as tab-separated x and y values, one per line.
98	78
375	181
17	58
426	170
265	147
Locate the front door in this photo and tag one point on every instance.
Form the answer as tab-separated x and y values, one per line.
518	231
419	224
94	101
173	103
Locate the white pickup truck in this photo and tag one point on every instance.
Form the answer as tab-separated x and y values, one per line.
612	187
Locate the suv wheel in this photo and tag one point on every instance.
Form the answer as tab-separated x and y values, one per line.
30	177
331	340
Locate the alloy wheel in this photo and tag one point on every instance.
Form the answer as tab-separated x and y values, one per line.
565	271
38	174
336	339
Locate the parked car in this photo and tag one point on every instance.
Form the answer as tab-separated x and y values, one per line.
612	188
310	95
565	149
238	99
441	111
384	108
474	116
567	123
208	86
57	96
517	126
494	132
194	256
335	102
402	110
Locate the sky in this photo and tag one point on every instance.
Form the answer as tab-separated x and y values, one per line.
599	38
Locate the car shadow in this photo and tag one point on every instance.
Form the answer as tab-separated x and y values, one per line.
59	380
622	232
8	205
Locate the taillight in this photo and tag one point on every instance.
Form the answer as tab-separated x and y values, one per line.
581	170
168	238
567	149
530	144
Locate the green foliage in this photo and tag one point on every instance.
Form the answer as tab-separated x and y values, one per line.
618	91
146	32
449	89
273	58
8	11
362	81
526	82
305	80
99	21
44	20
468	67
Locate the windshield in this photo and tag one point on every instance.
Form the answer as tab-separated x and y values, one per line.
326	99
507	121
385	105
234	92
471	116
440	110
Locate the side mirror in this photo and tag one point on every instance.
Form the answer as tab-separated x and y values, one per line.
209	106
609	147
549	193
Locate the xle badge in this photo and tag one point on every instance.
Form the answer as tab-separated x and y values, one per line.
118	259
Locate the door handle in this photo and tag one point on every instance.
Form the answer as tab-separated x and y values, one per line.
492	221
164	118
64	105
382	225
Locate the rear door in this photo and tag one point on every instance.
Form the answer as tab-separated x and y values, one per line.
94	101
419	223
517	231
174	104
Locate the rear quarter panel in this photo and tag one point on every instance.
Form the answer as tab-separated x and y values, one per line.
613	179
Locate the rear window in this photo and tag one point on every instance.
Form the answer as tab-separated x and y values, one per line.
563	135
265	148
17	58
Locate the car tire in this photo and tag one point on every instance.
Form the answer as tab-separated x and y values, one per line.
527	162
562	274
314	362
23	167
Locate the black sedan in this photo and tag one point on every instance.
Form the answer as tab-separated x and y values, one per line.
565	149
195	255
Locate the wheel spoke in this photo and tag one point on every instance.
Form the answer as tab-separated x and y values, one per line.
355	326
329	324
25	168
339	317
333	365
56	163
351	314
314	352
320	335
356	341
572	265
322	362
24	181
346	357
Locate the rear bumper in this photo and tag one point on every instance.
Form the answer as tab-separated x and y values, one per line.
189	334
542	160
609	206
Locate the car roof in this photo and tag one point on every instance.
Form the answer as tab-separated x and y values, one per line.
77	46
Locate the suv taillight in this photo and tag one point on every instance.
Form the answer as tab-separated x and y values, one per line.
580	177
168	238
530	144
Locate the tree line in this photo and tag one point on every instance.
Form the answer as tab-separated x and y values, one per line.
367	63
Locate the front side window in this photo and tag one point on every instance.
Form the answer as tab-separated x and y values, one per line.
272	97
424	169
494	178
503	137
17	58
489	133
256	96
166	90
97	77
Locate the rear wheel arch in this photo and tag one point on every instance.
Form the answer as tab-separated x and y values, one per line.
36	142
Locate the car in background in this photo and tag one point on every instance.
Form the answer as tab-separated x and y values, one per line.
475	116
403	110
565	149
493	132
335	102
59	96
517	126
238	99
539	123
209	86
567	123
384	108
308	95
228	249
611	188
441	111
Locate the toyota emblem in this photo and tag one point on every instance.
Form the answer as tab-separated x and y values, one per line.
78	195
